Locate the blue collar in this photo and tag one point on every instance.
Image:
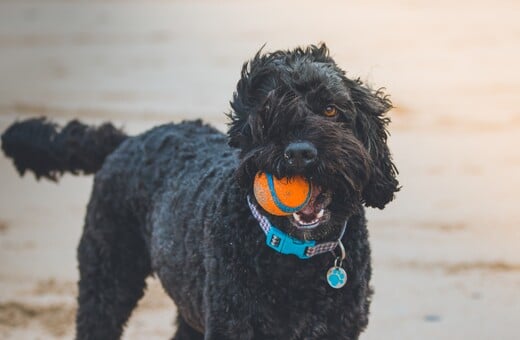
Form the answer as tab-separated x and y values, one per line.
286	244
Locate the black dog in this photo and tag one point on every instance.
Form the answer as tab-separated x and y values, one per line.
177	201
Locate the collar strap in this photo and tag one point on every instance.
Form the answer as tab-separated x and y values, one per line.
286	244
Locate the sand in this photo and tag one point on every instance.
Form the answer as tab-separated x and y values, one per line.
446	251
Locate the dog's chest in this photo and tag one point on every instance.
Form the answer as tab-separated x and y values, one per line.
279	296
219	271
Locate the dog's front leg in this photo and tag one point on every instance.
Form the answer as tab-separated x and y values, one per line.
226	304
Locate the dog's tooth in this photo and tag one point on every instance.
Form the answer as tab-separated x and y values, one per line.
298	218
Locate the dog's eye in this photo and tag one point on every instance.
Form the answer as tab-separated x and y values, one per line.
330	111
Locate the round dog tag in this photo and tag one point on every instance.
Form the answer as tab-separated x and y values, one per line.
336	277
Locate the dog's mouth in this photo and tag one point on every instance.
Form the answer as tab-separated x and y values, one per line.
315	211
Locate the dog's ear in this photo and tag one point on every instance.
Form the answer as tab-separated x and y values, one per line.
256	81
370	127
239	131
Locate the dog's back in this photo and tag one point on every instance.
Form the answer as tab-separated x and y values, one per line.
142	162
187	160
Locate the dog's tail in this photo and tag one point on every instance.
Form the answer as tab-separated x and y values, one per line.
48	150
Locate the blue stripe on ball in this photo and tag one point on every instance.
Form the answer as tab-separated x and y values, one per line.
280	205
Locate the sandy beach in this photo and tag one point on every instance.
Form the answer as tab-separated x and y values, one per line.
446	252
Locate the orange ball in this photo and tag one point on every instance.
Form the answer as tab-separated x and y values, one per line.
282	196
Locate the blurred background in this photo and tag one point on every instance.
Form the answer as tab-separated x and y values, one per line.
446	251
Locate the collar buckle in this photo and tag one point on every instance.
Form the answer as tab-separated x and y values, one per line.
285	244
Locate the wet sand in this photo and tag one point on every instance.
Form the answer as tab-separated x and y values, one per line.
446	252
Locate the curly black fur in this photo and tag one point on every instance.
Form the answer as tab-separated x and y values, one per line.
172	201
42	147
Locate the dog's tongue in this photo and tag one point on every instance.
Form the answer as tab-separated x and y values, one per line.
311	208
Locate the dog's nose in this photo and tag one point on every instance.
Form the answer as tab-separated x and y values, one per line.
299	155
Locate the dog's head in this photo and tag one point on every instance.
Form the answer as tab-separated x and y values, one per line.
295	112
